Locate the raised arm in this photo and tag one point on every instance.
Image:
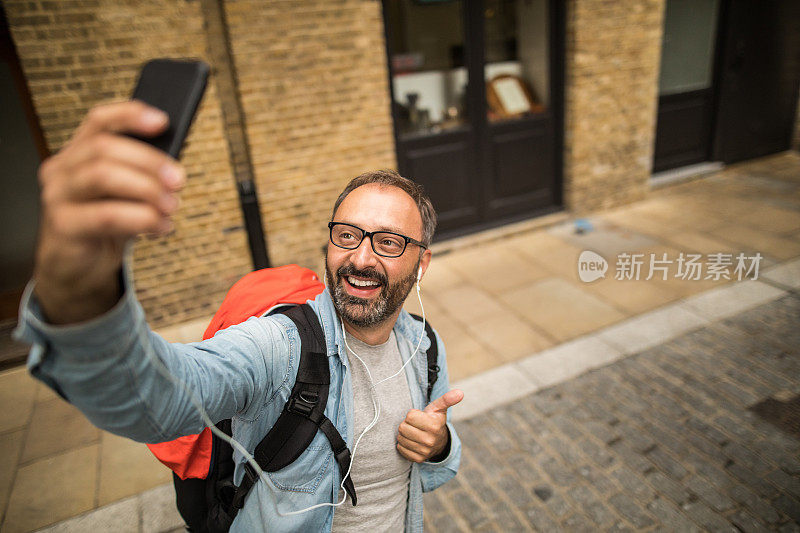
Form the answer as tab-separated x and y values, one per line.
108	367
90	340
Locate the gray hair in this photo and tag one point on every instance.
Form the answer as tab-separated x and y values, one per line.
393	179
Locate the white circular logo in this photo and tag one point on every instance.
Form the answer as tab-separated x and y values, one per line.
591	266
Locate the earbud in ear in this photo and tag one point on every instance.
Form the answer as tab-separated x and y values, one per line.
419	274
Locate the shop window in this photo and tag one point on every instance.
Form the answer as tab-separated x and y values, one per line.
430	74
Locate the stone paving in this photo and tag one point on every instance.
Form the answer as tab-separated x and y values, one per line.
666	439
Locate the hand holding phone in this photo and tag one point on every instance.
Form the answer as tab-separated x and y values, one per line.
103	188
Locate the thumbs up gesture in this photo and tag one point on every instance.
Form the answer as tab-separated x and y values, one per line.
424	434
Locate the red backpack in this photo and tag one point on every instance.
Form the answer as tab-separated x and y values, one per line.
253	295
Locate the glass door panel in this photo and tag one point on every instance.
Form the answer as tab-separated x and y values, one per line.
516	68
687	52
429	76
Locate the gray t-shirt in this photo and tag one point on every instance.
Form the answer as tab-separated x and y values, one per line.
379	472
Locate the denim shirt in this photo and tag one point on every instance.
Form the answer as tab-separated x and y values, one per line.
245	372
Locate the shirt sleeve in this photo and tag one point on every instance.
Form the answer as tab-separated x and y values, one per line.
128	380
436	474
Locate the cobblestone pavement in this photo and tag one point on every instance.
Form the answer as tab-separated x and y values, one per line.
667	439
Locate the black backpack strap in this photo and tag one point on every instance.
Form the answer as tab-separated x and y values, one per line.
205	504
304	412
433	355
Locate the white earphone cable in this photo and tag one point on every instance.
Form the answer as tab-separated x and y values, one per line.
375	406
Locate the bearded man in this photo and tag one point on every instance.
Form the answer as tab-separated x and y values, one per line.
92	345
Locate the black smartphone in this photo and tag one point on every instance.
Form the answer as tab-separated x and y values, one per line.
176	87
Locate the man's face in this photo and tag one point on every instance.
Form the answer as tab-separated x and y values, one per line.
385	281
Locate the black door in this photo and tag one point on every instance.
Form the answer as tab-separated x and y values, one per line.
686	84
489	151
760	77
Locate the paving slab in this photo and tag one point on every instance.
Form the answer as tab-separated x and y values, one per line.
511	337
492	388
17	393
730	300
569	360
651	329
74	430
787	274
632	297
604	238
127	468
10	447
560	308
52	489
159	513
123	516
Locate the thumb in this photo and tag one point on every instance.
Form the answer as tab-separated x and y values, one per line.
446	400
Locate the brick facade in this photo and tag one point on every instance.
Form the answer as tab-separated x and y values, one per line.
76	54
611	97
314	89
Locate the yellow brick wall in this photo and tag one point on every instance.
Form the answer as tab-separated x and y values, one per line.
314	87
79	53
611	96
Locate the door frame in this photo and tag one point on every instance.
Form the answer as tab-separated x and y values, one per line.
716	81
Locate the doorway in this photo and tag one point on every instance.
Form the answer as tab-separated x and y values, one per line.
487	152
729	81
759	78
22	148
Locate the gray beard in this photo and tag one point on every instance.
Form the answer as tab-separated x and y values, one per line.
367	313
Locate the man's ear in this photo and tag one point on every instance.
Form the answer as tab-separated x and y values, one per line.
425	260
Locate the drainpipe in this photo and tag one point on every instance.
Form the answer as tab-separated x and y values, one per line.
224	74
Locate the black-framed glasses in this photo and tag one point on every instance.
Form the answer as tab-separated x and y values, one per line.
384	243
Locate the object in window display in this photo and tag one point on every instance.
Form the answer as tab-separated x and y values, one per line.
510	97
452	118
410	62
414	119
431	105
413	111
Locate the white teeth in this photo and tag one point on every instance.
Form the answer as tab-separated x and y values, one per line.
360	283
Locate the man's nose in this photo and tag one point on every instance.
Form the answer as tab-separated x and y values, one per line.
364	256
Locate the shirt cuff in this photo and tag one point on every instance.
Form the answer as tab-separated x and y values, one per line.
444	454
98	337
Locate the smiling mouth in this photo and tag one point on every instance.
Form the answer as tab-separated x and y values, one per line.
364	283
362	287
